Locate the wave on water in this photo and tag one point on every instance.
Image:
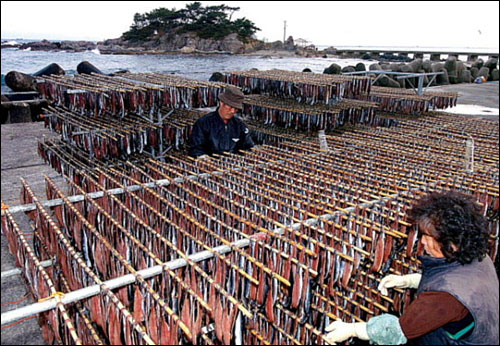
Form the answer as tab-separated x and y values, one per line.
10	43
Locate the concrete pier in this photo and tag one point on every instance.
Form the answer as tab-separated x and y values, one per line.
471	56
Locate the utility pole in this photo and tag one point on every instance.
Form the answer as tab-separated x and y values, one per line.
284	32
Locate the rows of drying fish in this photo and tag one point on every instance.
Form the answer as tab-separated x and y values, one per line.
330	224
96	95
407	102
306	118
310	88
145	94
323	226
107	137
40	281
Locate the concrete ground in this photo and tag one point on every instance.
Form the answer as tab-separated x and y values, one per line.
485	94
19	158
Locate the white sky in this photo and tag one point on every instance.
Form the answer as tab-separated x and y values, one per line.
424	24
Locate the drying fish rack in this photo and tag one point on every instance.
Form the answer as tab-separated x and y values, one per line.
419	90
263	248
122	115
311	89
404	101
142	94
103	140
116	117
306	118
105	137
268	247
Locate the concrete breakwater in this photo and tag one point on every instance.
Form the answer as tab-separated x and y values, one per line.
405	54
453	71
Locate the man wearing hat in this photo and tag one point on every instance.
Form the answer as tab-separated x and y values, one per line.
221	131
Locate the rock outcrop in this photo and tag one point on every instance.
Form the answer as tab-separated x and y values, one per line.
70	46
187	43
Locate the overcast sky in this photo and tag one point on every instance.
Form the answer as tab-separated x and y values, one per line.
424	24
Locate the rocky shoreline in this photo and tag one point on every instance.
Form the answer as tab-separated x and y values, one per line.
45	45
187	43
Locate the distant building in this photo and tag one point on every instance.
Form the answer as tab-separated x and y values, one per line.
302	43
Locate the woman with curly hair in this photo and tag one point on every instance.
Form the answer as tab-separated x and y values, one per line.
457	292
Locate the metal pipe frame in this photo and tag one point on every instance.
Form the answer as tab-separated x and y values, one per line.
116	191
403	75
33	309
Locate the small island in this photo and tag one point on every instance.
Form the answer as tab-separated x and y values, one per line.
194	29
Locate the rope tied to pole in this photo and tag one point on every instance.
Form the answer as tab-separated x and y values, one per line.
53	295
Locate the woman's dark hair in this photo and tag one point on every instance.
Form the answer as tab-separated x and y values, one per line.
455	219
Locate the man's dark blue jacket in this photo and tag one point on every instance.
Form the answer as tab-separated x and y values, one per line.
211	136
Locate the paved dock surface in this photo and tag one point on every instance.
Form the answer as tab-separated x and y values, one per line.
19	158
485	94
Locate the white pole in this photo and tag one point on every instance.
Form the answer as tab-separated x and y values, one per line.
469	155
16	271
71	297
284	33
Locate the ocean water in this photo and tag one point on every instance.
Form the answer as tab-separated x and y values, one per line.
197	67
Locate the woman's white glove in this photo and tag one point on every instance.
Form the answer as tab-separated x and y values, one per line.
400	281
340	331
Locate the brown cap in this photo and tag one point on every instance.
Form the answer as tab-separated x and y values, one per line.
233	97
